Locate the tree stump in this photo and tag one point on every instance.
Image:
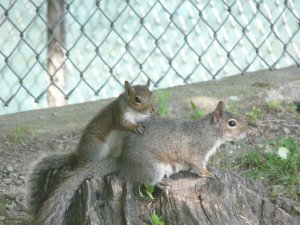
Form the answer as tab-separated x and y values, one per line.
227	199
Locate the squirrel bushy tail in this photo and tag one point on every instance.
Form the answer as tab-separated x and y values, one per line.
45	176
54	208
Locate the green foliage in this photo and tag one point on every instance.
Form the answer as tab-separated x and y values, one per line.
148	189
254	115
20	132
2	206
163	98
233	106
197	114
281	106
292	107
273	105
271	168
156	219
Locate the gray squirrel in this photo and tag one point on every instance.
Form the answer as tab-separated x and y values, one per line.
102	138
166	147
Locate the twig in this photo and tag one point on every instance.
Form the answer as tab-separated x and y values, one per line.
268	121
291	125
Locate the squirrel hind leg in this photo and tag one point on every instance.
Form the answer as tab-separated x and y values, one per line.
133	173
159	177
201	170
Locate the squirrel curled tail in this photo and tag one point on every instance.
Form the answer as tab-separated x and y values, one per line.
54	208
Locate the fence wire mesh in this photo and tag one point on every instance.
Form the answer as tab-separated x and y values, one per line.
53	51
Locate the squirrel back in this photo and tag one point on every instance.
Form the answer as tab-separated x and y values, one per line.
167	146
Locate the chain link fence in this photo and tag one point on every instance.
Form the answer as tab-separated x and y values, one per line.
57	52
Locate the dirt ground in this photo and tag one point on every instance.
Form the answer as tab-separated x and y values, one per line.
26	137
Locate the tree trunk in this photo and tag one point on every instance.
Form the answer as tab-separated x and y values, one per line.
55	53
227	199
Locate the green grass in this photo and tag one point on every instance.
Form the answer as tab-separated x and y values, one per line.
292	108
2	206
273	105
280	106
233	106
254	115
272	169
163	98
20	132
196	113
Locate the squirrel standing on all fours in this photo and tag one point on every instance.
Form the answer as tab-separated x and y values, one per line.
167	147
102	138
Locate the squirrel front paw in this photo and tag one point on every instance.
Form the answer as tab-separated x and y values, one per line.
206	173
165	182
140	129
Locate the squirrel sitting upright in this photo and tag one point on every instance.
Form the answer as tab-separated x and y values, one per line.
167	146
102	138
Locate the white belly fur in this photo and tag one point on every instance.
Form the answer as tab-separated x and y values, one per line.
113	144
133	116
211	152
167	169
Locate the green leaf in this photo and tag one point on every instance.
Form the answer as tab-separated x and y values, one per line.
149	190
146	191
157	220
194	107
297	209
140	192
196	113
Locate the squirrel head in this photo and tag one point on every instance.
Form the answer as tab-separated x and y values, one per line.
140	98
231	126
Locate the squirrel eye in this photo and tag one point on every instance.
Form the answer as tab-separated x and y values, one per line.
138	99
232	123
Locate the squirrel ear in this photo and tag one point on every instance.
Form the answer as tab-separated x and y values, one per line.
128	88
221	105
148	83
218	112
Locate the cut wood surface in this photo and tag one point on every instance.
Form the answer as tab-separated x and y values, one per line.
227	199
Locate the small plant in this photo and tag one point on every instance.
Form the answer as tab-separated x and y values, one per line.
233	103
18	134
233	106
196	112
156	219
282	106
293	108
273	105
254	115
163	97
21	131
148	189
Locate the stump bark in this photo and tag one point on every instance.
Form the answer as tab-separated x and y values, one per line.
227	199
